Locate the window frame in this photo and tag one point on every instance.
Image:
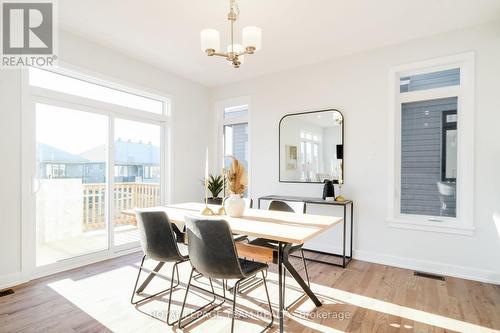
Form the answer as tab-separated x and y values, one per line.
445	127
220	107
463	223
32	95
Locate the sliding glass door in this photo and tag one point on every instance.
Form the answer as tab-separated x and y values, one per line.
72	168
137	174
95	154
71	183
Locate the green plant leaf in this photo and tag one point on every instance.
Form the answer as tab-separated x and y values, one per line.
215	184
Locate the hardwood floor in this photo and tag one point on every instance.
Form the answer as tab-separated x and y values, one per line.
364	297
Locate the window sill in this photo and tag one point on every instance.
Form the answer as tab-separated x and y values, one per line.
443	227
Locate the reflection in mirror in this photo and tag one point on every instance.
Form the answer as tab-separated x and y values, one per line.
311	147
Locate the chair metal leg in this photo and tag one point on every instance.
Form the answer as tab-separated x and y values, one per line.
175	268
235	293
137	280
268	301
234	304
181	318
136	291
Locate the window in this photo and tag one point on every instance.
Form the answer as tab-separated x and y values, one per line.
92	143
236	142
449	146
445	78
73	86
309	155
423	191
55	171
432	120
121	171
237	111
234	132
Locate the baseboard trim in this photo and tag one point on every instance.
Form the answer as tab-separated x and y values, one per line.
80	262
15	279
429	267
11	280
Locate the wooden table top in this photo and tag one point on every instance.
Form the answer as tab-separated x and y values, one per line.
279	226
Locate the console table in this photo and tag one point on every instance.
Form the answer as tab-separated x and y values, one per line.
318	201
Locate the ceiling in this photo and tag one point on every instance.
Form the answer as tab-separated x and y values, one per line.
165	33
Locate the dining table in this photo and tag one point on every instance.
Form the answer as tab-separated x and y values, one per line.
284	228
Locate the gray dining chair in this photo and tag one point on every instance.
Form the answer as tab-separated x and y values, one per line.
299	208
159	241
213	254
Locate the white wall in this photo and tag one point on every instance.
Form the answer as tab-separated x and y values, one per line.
190	102
358	86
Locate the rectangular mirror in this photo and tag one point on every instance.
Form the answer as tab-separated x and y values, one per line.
311	147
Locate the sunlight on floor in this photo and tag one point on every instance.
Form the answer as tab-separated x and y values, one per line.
400	311
106	297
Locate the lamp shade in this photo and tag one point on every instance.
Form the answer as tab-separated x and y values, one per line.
210	40
252	36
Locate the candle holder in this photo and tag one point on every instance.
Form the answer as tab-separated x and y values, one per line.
222	211
339	197
207	211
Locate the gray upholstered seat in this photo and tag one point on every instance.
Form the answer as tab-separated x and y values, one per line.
157	236
160	241
213	254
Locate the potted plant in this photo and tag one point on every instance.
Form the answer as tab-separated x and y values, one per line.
215	186
237	183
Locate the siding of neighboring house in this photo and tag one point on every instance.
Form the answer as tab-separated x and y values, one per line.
446	78
240	139
421	124
90	167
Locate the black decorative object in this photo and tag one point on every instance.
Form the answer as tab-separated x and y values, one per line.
328	189
340	152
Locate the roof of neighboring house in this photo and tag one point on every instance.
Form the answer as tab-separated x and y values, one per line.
127	153
47	153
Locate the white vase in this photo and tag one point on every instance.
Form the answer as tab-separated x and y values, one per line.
234	205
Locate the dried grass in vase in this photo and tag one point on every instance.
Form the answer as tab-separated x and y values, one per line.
237	177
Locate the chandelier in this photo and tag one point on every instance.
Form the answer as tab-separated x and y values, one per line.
251	40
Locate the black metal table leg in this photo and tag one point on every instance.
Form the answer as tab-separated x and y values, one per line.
150	277
280	286
352	213
343	238
285	252
346	258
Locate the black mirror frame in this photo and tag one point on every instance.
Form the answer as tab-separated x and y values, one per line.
279	147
